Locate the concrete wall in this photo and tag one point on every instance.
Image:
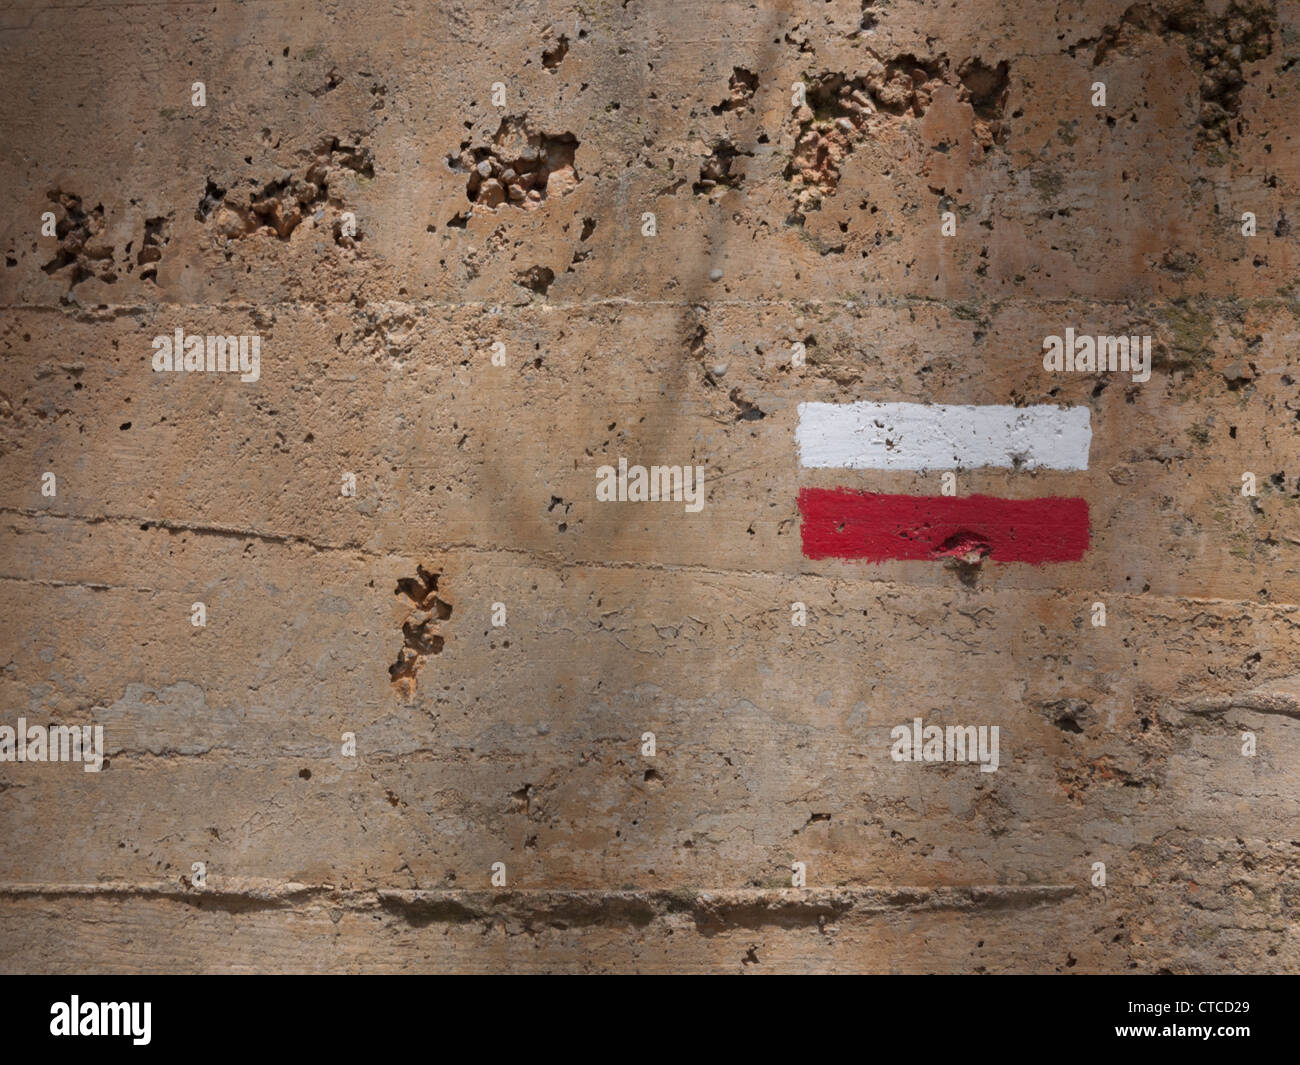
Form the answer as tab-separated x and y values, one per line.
522	744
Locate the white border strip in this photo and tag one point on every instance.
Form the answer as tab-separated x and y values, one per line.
917	436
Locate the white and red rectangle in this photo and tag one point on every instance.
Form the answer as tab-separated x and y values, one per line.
846	523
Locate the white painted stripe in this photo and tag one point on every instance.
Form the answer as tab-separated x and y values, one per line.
917	436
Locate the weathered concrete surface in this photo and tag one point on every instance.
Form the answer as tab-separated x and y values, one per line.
522	744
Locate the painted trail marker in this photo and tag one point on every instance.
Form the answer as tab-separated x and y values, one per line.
842	523
918	436
848	524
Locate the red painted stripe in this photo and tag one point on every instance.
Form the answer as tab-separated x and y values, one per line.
841	523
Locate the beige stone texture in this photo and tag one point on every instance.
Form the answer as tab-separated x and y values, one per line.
350	193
